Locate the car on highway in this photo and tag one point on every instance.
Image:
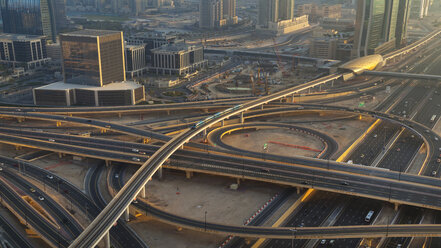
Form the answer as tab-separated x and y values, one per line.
136	159
32	190
41	198
50	176
142	153
344	183
323	242
51	140
434	173
1	168
116	175
108	126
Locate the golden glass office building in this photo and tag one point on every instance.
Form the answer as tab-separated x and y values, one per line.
93	57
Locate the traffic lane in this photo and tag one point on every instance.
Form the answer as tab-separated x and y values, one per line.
354	214
308	177
32	216
327	163
313	212
80	199
408	215
401	153
71	228
125	237
13	235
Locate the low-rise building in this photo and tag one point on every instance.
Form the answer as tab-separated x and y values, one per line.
135	60
28	51
177	59
151	40
65	94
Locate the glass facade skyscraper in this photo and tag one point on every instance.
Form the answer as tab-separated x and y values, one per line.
35	17
380	26
93	57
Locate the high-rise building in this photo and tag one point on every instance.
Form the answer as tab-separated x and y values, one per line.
419	8
93	57
34	17
211	14
60	14
377	26
229	11
380	26
402	19
275	11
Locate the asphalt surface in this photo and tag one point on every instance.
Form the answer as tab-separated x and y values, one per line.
120	236
13	236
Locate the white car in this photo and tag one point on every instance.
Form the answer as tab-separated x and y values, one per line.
41	198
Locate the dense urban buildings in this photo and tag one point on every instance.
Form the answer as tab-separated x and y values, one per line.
380	26
94	72
93	57
27	51
34	17
151	40
177	59
316	12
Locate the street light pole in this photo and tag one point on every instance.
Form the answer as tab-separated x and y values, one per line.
205	225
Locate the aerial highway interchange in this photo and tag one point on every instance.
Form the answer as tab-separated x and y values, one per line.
395	162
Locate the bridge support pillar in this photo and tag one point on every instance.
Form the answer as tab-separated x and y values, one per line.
396	205
241	118
261	106
292	98
108	163
17	148
320	87
58	123
238	181
145	140
204	133
188	174
223	123
168	112
298	190
119	115
103	130
127	214
332	83
159	173
60	155
142	193
107	240
19	120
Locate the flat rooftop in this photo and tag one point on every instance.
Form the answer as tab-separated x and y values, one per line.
126	85
91	33
177	47
21	37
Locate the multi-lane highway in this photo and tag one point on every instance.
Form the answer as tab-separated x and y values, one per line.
305	172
